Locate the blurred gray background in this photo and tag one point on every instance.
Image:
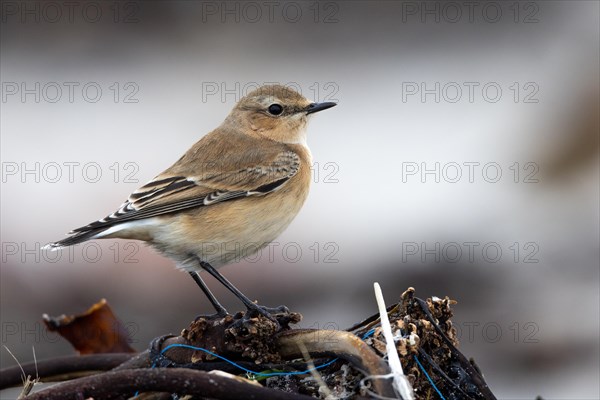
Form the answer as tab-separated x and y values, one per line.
462	160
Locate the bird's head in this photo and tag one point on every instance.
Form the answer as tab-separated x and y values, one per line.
275	112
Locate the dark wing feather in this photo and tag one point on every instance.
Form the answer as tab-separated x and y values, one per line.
165	195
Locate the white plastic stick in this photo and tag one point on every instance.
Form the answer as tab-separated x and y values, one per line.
400	382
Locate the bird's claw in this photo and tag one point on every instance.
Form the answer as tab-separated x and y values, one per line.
280	316
219	314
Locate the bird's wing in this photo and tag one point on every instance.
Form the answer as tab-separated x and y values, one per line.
211	183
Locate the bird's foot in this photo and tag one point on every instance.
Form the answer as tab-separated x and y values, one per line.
280	316
274	310
219	314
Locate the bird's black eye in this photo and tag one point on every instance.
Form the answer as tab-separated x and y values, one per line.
275	109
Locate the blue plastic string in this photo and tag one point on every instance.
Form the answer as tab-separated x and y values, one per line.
429	379
187	346
366	335
239	366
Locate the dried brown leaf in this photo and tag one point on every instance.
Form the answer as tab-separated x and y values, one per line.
95	331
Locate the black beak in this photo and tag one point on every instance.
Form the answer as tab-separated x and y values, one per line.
316	107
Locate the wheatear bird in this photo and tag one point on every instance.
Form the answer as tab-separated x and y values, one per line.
231	194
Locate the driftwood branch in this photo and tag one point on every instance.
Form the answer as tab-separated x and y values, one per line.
60	366
123	384
340	344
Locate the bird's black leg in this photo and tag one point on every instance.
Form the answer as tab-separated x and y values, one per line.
221	311
250	305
